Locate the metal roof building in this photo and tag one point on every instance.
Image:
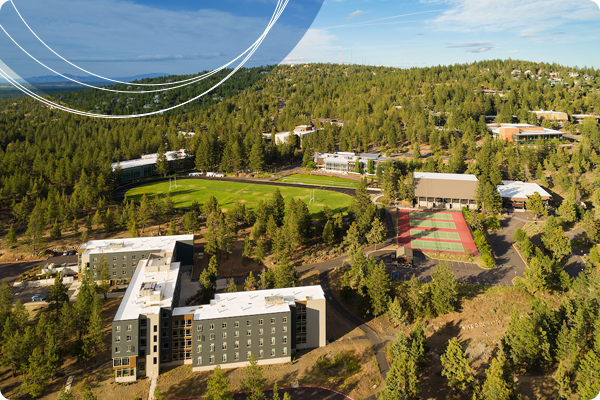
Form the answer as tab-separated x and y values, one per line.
516	193
438	190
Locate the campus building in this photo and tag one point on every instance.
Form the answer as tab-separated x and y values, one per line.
123	255
516	193
551	115
437	190
523	133
146	165
346	162
150	331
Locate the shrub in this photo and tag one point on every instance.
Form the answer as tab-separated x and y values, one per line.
519	235
492	223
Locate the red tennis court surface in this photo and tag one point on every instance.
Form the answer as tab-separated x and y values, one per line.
435	231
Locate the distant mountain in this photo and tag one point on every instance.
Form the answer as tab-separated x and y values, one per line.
88	79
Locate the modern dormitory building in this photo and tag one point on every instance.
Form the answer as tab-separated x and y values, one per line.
150	331
523	133
146	165
346	162
123	255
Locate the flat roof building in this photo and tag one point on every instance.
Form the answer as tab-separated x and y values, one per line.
150	331
552	115
145	166
123	255
516	193
438	190
344	162
523	133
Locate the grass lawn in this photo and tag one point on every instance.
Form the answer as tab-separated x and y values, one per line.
320	180
227	193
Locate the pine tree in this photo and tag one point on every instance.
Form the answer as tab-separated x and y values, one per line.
37	377
257	156
457	369
378	287
536	276
377	234
562	377
109	221
444	292
328	233
11	237
162	164
57	295
55	232
93	339
275	392
88	223
97	219
250	282
217	387
588	376
231	286
64	394
285	275
536	205
419	347
104	285
498	384
401	382
254	381
396	312
88	394
172	228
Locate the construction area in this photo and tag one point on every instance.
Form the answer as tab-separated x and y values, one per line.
434	231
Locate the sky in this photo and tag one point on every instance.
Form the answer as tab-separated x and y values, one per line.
440	32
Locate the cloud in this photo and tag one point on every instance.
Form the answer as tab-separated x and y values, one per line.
356	13
496	16
473	47
316	46
526	35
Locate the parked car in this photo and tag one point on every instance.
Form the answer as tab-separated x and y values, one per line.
38	297
72	253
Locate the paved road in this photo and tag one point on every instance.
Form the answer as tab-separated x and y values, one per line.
11	271
302	392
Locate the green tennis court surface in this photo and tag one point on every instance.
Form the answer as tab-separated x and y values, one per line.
432	224
438	246
418	233
419	214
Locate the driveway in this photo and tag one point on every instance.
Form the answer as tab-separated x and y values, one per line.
507	258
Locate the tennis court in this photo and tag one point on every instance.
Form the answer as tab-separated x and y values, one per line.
432	224
426	234
430	215
437	246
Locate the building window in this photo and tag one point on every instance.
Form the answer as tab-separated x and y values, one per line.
249	343
285	328
224	358
301	338
124	272
223	335
199	348
125	361
117	329
285	320
165	345
164	333
128	328
272	352
164	315
224	325
199	328
165	324
284	351
124	258
236	324
212	327
155	361
124	265
260	341
143	256
249	332
95	259
129	338
212	359
260	321
117	349
155	328
114	273
130	348
248	355
155	339
117	362
114	265
199	360
212	347
224	346
248	323
261	353
272	341
236	344
272	320
236	356
284	340
212	336
115	258
133	258
200	338
260	331
236	334
117	339
272	330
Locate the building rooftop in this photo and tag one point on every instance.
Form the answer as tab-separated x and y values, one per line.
148	159
446	177
156	243
151	288
524	129
521	190
256	302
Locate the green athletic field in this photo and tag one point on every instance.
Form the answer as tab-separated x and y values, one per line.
227	193
320	180
419	214
437	246
432	224
424	234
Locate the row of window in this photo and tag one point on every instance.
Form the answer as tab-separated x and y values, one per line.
124	373
118	328
236	324
117	362
236	356
130	349
236	344
118	339
133	257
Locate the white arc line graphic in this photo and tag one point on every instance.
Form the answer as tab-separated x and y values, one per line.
277	13
58	106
